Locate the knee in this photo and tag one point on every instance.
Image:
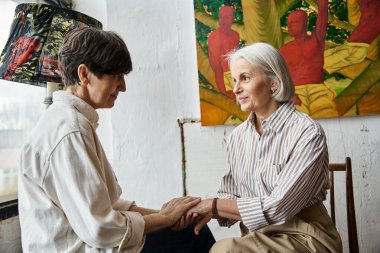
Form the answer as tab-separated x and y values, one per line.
223	246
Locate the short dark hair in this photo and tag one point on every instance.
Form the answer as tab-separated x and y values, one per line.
103	52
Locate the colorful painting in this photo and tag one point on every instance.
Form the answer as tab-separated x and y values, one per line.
331	48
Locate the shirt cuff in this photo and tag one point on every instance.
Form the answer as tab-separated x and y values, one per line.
134	238
122	205
223	222
251	213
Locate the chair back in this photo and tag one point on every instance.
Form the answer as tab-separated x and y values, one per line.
351	219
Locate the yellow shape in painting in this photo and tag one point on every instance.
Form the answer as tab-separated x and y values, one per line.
344	55
212	115
228	83
317	100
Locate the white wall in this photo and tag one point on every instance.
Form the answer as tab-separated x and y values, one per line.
163	87
359	138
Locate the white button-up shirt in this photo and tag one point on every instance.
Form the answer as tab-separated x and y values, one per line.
69	198
275	175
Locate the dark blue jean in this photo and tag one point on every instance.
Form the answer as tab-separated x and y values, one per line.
185	241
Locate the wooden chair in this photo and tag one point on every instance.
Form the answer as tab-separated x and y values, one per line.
351	220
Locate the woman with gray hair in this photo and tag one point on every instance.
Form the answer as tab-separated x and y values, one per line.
277	173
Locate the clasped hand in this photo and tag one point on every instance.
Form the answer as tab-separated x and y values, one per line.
183	211
175	212
201	213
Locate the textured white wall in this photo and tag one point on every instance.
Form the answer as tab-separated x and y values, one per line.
359	138
163	87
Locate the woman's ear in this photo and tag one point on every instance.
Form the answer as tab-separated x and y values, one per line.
83	74
275	84
273	87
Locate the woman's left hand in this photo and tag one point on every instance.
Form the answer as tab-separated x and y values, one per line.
204	212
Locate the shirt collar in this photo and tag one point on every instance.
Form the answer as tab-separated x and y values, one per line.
87	110
277	119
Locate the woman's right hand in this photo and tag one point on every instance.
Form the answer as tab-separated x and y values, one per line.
177	207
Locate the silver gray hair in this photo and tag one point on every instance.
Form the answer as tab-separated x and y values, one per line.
268	59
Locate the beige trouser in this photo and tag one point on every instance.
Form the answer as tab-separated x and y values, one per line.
311	230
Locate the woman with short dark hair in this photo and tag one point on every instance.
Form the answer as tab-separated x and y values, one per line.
69	198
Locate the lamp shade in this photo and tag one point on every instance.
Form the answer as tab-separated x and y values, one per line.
31	52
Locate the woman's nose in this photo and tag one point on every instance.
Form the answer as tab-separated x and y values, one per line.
122	86
236	88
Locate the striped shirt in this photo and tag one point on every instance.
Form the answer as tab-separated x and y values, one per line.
276	175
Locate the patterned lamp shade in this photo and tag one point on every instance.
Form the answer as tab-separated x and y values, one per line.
31	52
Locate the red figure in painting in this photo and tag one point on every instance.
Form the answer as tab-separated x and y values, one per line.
368	28
220	42
304	55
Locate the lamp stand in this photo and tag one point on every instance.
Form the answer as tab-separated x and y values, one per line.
50	88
